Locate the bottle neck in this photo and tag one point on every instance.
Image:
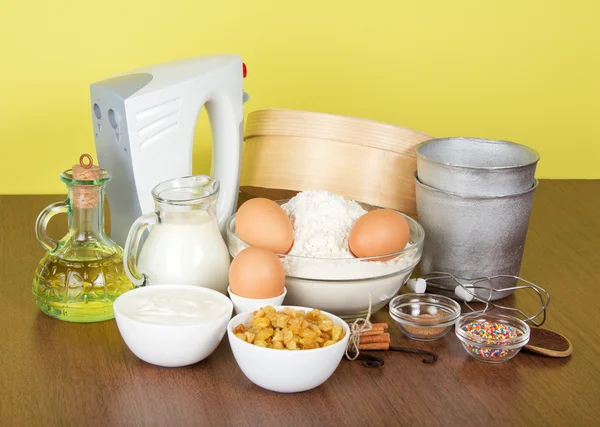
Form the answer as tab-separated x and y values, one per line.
86	219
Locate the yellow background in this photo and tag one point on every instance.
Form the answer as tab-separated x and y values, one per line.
525	71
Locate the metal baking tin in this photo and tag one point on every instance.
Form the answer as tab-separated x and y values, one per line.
476	166
473	236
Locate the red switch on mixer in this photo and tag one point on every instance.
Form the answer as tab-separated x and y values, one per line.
244	70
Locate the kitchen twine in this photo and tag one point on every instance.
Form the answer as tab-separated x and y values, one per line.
358	327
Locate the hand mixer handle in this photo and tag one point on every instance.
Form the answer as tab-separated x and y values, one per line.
132	245
227	131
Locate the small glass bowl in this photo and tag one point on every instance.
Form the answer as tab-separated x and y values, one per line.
492	347
424	317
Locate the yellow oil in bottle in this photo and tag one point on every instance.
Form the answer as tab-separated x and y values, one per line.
82	274
80	290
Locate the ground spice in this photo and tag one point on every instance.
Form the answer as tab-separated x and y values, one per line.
426	330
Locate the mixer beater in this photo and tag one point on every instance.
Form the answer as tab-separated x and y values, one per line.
465	291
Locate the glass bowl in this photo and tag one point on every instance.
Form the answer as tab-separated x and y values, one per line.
492	338
343	286
424	317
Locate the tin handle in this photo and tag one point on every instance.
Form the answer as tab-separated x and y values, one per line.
41	224
132	246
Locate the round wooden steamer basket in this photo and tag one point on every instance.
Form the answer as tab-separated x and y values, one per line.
360	159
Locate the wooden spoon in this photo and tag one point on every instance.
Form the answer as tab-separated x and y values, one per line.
548	343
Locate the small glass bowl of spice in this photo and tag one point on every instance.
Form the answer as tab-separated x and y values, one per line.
424	317
492	338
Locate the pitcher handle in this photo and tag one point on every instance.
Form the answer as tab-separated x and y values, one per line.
41	233
131	250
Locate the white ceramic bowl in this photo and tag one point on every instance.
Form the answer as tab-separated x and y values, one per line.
242	304
171	345
344	286
286	371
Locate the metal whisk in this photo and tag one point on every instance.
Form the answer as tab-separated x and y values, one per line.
465	291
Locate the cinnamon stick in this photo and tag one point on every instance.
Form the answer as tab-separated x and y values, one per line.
385	337
377	328
372	332
382	325
374	346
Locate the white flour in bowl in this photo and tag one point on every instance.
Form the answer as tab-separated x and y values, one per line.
322	222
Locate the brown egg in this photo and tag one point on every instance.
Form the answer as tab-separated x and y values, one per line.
263	223
256	273
379	232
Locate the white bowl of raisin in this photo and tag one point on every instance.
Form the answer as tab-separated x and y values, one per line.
288	349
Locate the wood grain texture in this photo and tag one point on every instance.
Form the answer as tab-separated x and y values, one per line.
61	374
304	150
298	163
351	130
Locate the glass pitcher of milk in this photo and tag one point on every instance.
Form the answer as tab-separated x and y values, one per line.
184	245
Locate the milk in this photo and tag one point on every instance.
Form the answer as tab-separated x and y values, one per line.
186	248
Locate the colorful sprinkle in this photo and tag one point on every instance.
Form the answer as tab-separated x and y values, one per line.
491	333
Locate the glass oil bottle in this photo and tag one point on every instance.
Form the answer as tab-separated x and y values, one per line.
82	274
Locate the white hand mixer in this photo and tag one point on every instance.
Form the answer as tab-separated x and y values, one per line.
144	122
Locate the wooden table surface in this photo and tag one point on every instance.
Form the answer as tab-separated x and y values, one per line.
63	374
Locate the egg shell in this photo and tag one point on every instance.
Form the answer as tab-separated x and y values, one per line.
256	273
263	223
379	232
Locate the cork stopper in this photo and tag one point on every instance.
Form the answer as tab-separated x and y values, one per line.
84	196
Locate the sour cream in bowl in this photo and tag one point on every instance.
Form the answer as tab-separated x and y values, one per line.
172	325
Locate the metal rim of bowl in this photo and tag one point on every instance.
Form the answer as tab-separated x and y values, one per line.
448	319
480	168
475	197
